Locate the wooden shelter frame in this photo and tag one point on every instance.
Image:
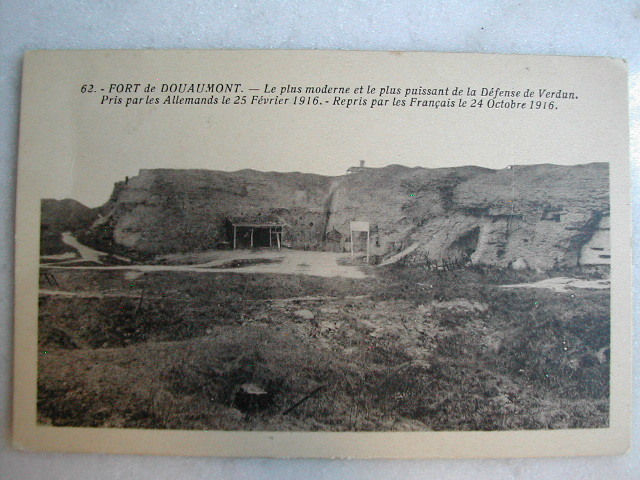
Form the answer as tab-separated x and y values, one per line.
276	231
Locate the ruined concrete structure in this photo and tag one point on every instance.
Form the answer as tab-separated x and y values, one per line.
597	251
536	216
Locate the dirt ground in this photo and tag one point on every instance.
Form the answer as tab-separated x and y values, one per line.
285	261
390	349
565	284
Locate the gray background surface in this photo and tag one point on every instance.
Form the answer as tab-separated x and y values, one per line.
564	28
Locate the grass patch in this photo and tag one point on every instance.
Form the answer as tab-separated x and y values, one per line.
405	350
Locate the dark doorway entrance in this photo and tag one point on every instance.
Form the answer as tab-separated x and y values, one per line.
465	245
255	235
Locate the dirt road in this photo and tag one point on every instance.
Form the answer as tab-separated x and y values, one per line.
321	264
564	284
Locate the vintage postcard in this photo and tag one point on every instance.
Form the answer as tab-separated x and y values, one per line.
323	254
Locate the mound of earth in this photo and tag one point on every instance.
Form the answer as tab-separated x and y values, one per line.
58	216
535	216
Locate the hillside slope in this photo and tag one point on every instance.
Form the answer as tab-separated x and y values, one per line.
536	216
57	216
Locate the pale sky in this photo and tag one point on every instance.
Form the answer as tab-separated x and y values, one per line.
77	147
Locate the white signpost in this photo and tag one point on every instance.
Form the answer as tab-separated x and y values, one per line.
359	226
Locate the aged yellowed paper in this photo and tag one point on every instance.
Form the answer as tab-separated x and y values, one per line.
323	254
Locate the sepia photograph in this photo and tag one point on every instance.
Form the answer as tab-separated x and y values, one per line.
322	254
383	299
